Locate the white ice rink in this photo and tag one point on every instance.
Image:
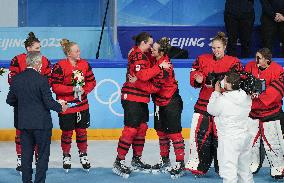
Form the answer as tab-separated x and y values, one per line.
101	153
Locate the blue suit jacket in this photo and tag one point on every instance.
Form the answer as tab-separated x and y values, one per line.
30	93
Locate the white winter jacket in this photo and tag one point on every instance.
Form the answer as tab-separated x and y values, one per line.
231	110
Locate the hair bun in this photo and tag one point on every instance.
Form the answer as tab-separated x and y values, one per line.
221	34
165	45
64	42
31	35
31	39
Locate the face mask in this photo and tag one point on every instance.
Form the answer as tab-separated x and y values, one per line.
222	83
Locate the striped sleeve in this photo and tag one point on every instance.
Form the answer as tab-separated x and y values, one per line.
57	78
14	69
89	80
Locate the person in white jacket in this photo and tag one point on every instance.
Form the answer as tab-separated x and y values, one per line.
231	110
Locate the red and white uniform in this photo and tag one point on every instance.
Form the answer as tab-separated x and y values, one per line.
62	84
139	65
164	99
266	106
203	133
267	111
163	86
18	65
204	65
64	90
167	83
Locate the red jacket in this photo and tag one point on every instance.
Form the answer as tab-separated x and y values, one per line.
268	105
139	66
18	65
62	85
204	65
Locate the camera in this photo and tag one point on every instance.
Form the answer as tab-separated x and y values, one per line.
213	77
249	83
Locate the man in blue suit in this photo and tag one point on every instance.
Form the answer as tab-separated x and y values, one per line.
30	92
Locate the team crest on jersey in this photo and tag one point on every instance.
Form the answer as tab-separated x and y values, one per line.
137	68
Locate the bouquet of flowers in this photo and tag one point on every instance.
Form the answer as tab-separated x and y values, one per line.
2	71
78	81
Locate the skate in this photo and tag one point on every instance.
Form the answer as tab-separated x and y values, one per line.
66	162
162	166
84	161
178	170
277	173
19	164
138	165
191	166
120	169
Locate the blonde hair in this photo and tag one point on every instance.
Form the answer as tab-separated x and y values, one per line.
66	45
221	36
165	45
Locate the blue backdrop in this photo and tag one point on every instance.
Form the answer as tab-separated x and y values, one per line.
105	107
12	41
174	12
195	39
79	13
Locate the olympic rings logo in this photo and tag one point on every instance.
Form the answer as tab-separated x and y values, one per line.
114	97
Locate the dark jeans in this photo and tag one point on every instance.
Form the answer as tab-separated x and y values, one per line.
269	31
28	140
239	27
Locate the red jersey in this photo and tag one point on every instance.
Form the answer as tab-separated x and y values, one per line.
138	65
269	74
204	65
62	84
167	83
18	65
269	103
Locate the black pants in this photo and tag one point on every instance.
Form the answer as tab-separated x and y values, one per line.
71	121
168	118
28	140
270	30
135	113
239	27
